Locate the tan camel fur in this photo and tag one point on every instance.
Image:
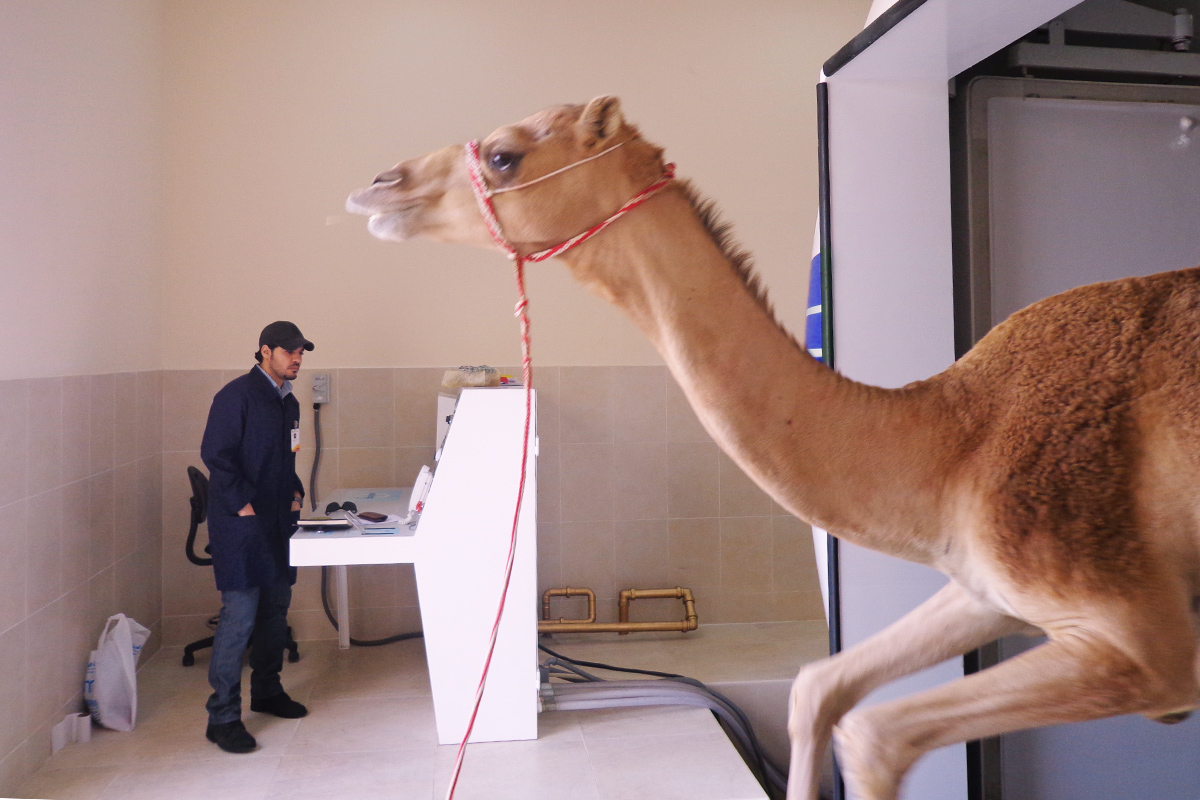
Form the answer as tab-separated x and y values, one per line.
1051	473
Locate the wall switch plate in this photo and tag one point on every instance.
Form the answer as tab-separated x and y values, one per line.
320	384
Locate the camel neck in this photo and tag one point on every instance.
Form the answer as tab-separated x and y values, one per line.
857	460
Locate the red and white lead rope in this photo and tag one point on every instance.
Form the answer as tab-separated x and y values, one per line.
483	196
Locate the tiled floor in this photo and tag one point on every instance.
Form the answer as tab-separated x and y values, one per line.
370	731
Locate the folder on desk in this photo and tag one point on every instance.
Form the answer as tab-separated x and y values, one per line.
325	524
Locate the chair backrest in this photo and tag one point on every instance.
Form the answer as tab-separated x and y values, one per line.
199	503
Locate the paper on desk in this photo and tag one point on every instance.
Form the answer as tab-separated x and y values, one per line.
392	521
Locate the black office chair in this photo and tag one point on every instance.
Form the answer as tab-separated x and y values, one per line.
199	503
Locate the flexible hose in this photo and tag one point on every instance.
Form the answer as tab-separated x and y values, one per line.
358	642
610	667
583	675
312	496
312	477
674	689
646	696
755	750
573	664
649	690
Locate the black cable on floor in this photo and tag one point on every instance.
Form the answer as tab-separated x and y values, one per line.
769	775
399	637
596	665
312	478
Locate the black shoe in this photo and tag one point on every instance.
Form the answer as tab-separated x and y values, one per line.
280	705
232	737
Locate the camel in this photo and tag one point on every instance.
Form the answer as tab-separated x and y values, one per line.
1051	473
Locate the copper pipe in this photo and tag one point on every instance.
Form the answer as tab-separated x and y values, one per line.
624	626
613	627
690	621
569	592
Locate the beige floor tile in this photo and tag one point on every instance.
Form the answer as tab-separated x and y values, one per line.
396	775
178	687
560	726
519	771
672	768
370	731
78	783
274	735
615	723
119	750
399	670
229	779
364	725
754	651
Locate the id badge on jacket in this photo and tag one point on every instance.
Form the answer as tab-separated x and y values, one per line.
296	437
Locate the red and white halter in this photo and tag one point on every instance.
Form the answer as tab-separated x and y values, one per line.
483	196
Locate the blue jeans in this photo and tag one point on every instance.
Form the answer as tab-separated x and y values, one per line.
255	618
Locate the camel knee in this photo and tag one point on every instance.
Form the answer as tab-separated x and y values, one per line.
873	755
815	705
818	700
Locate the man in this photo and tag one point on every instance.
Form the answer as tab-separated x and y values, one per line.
254	500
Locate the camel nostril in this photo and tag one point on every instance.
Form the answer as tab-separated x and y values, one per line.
391	176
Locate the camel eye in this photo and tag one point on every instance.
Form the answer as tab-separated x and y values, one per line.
503	161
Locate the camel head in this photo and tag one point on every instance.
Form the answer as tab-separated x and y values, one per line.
431	195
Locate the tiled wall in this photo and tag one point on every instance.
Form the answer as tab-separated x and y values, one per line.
80	513
635	494
632	493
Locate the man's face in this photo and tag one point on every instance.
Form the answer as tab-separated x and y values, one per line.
282	364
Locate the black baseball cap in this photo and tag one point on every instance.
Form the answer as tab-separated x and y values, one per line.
283	334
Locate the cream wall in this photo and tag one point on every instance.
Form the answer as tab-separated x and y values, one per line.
277	109
80	386
80	143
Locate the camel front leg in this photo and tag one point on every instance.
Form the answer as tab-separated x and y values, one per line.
1077	677
946	625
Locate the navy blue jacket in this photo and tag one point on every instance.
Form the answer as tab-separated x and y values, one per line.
247	449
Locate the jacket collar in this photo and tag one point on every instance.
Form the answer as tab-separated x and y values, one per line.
266	387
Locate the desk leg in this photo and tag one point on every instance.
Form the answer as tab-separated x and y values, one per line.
343	607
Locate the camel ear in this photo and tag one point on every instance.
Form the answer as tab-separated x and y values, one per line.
601	120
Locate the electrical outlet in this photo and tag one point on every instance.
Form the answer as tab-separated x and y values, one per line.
320	387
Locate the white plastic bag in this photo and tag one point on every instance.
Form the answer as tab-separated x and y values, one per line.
110	684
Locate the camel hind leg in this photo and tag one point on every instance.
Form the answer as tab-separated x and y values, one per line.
948	624
1078	675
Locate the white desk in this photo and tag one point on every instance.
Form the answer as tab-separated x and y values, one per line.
335	549
459	550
